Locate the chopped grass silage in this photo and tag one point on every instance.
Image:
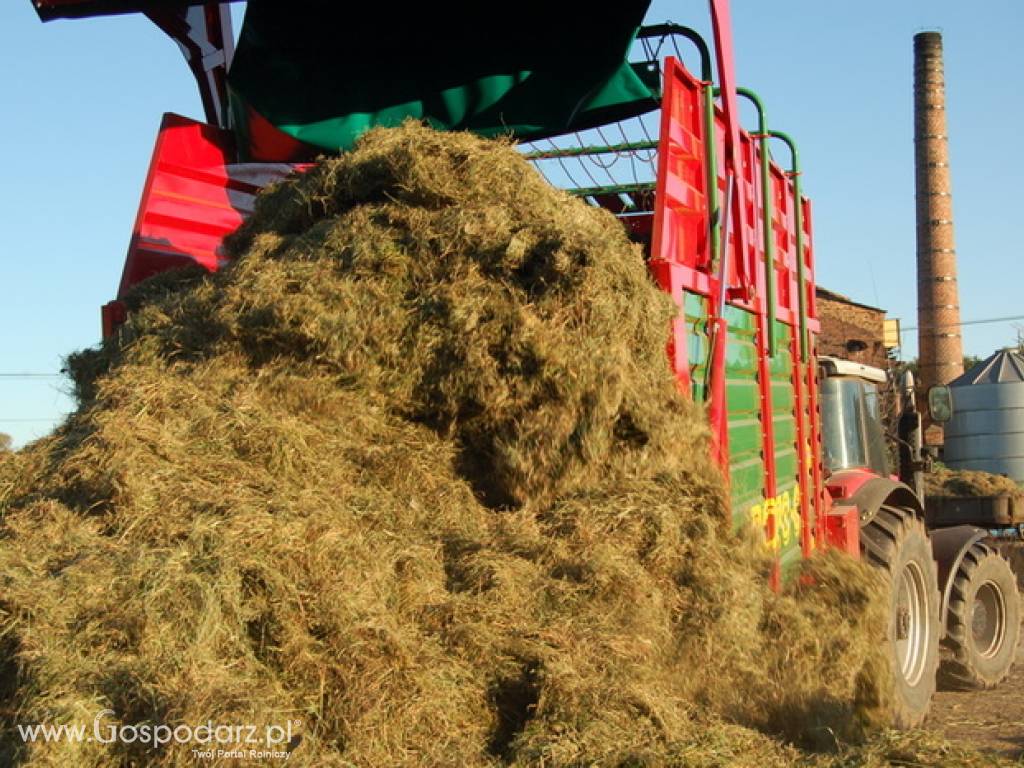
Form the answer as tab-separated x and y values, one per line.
413	471
943	481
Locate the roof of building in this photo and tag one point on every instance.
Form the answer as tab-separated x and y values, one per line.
825	293
1006	365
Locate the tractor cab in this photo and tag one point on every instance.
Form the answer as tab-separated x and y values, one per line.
852	436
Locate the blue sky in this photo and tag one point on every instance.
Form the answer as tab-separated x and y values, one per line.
82	101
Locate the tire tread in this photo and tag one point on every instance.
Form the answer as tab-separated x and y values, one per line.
882	540
962	668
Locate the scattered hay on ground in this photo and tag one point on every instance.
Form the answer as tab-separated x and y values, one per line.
413	472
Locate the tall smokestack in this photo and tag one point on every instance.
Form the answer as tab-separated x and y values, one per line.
940	348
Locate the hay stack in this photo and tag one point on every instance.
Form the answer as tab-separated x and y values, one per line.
413	472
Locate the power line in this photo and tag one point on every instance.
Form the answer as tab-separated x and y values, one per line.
31	375
966	322
27	421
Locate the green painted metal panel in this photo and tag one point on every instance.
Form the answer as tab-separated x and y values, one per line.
743	397
695	314
787	465
746	464
747	486
787	458
744	412
783	398
785	432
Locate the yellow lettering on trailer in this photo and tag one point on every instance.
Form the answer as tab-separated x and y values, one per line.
784	512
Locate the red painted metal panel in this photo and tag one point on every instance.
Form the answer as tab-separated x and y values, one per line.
821	498
811	298
784	243
680	225
805	476
112	316
193	197
846	483
842	529
681	216
743	245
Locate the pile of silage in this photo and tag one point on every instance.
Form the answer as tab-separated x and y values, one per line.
412	472
943	481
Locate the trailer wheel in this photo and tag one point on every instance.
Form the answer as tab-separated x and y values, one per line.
896	542
983	621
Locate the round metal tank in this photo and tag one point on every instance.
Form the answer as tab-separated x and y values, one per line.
987	428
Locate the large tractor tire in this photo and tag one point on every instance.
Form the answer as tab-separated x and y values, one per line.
896	542
983	620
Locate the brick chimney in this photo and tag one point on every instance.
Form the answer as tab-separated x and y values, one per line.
940	347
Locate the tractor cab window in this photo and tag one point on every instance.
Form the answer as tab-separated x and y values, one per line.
851	425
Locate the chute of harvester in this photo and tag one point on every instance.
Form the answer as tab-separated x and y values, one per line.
77	9
309	76
322	78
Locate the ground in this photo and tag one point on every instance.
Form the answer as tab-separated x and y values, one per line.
987	720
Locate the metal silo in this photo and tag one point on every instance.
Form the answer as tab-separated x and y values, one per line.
987	428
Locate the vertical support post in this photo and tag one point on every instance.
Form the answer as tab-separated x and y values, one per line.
767	223
805	395
711	164
718	329
798	225
721	24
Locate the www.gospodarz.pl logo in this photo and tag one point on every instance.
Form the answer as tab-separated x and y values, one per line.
208	740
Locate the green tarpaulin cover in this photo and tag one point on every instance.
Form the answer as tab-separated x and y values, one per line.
322	73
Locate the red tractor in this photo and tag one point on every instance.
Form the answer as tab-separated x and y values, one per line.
950	582
604	107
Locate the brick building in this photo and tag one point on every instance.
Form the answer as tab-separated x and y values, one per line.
851	330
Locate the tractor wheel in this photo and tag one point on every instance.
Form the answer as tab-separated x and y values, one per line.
983	622
896	542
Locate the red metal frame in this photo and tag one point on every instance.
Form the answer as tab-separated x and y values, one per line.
841	487
721	24
845	484
842	529
193	197
680	254
681	260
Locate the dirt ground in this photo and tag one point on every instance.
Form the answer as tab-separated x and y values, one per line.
987	720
